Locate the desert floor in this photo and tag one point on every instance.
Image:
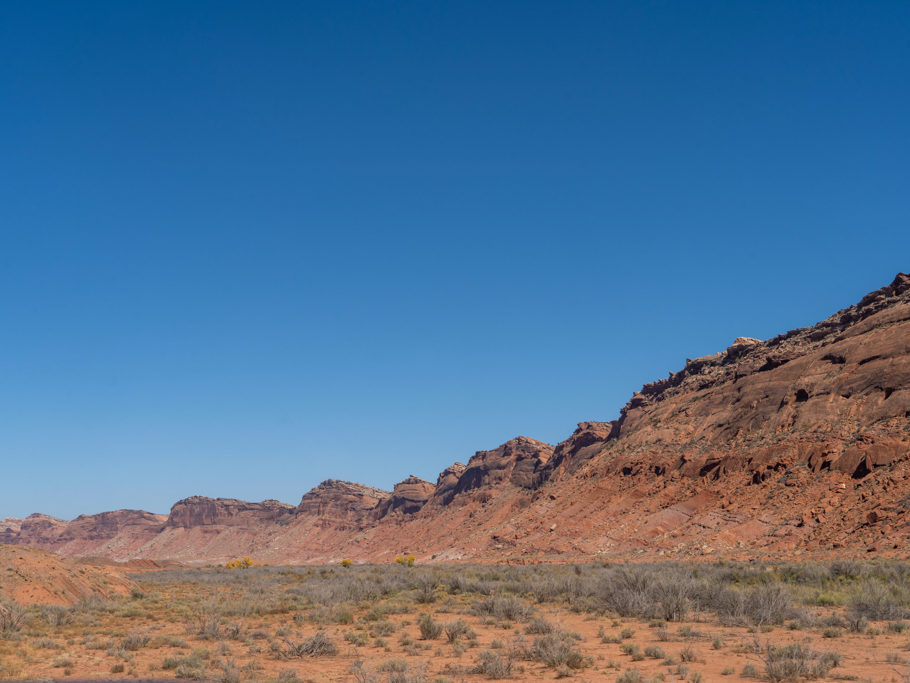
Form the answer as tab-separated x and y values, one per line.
591	622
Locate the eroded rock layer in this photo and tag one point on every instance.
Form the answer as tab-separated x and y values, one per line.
408	497
797	444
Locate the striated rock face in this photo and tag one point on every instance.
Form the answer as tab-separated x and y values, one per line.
784	444
446	483
36	529
341	502
201	511
797	444
584	443
519	462
407	497
86	535
108	525
824	383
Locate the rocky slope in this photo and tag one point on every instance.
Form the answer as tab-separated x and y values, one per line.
800	443
37	577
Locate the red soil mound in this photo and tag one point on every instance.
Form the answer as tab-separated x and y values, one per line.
37	577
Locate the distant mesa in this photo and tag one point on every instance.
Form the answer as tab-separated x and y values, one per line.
202	511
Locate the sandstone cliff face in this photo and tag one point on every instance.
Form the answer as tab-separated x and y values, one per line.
584	443
106	526
842	388
201	511
36	529
796	443
446	484
519	462
800	443
342	503
101	534
408	497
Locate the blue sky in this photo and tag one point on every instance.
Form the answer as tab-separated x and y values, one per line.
245	247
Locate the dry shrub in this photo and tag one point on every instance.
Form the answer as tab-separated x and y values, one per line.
317	645
429	629
494	665
501	606
539	626
425	586
874	600
136	640
192	667
770	603
797	662
205	623
57	615
458	629
12	616
556	649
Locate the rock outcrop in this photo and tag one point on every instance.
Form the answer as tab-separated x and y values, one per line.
201	511
580	447
100	534
519	462
36	529
342	503
408	497
446	484
797	444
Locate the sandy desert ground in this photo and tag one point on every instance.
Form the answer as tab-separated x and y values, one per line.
591	622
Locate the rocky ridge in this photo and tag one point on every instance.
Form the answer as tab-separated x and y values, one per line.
800	443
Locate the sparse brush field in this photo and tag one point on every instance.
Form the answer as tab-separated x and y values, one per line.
399	623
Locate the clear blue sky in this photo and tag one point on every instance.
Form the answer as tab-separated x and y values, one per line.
245	247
